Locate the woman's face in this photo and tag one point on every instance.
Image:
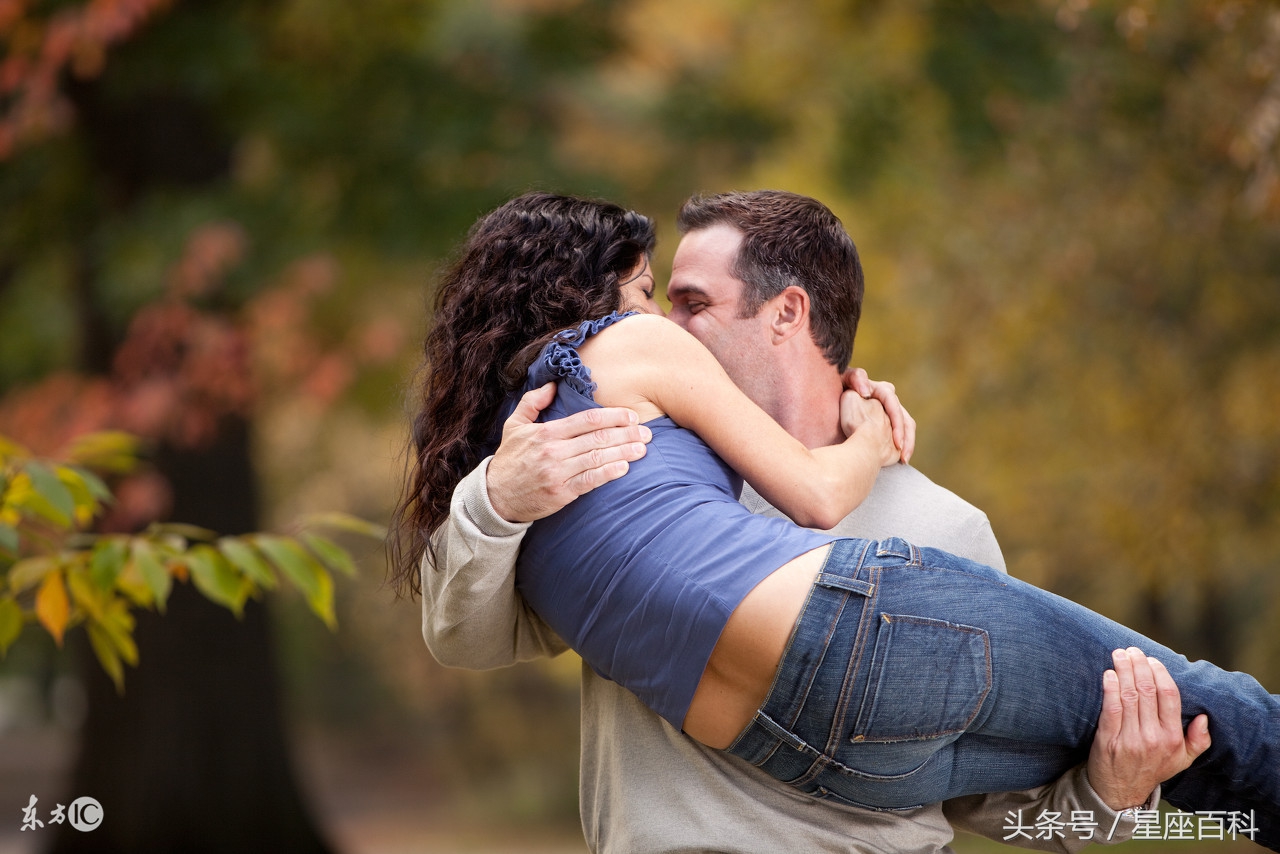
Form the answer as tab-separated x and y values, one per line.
637	290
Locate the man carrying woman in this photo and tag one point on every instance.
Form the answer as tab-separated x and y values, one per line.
784	320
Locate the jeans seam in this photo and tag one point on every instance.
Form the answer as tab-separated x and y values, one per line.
835	736
802	696
840	715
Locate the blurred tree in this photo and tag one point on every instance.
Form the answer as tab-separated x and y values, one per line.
63	578
59	575
193	757
1097	278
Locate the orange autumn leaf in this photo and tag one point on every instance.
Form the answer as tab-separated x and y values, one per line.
53	609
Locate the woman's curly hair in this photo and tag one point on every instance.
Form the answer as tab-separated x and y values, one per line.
536	265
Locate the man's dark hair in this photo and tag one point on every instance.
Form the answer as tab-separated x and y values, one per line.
789	239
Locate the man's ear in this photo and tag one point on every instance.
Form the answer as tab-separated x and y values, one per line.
789	313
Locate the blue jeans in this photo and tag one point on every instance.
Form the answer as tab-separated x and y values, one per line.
913	676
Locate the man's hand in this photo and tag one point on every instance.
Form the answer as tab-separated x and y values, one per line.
539	468
904	426
1140	742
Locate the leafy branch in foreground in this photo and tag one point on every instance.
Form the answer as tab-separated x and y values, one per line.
56	573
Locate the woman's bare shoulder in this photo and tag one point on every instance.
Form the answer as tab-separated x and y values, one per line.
644	331
631	359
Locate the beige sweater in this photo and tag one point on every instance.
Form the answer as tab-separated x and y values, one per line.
645	787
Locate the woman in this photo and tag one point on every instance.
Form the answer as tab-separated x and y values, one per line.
877	674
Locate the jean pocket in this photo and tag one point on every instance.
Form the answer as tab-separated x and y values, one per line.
928	680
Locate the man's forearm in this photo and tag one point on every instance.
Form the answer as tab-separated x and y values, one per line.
472	615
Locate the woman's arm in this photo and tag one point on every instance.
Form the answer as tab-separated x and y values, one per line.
651	365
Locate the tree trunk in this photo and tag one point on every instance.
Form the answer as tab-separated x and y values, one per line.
192	758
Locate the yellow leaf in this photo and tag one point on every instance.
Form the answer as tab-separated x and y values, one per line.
119	624
10	449
131	583
105	451
153	571
10	623
345	522
53	609
320	599
215	577
108	656
49	498
19	490
85	593
87	501
306	573
330	553
29	572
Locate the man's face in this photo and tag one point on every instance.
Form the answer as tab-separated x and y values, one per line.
706	301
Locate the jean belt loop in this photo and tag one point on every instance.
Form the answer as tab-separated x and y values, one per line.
849	585
779	732
844	565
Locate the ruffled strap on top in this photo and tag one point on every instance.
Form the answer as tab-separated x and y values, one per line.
560	362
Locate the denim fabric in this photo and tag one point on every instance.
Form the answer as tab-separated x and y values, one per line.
913	676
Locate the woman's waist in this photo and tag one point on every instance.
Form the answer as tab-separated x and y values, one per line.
746	657
620	538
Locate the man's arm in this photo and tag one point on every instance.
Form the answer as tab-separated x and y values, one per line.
471	614
539	468
1139	744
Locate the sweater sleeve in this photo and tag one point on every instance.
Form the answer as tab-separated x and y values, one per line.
472	616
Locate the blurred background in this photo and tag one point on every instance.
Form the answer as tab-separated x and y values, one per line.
220	224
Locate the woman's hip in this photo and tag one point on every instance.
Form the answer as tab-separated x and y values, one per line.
898	652
742	666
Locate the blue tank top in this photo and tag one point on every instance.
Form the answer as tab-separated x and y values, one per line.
641	574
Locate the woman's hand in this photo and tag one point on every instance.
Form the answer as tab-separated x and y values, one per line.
868	419
904	426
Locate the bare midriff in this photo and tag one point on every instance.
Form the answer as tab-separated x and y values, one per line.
745	659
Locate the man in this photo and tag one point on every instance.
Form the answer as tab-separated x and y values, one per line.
771	284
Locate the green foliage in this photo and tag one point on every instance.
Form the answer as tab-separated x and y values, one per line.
57	575
1089	313
979	53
